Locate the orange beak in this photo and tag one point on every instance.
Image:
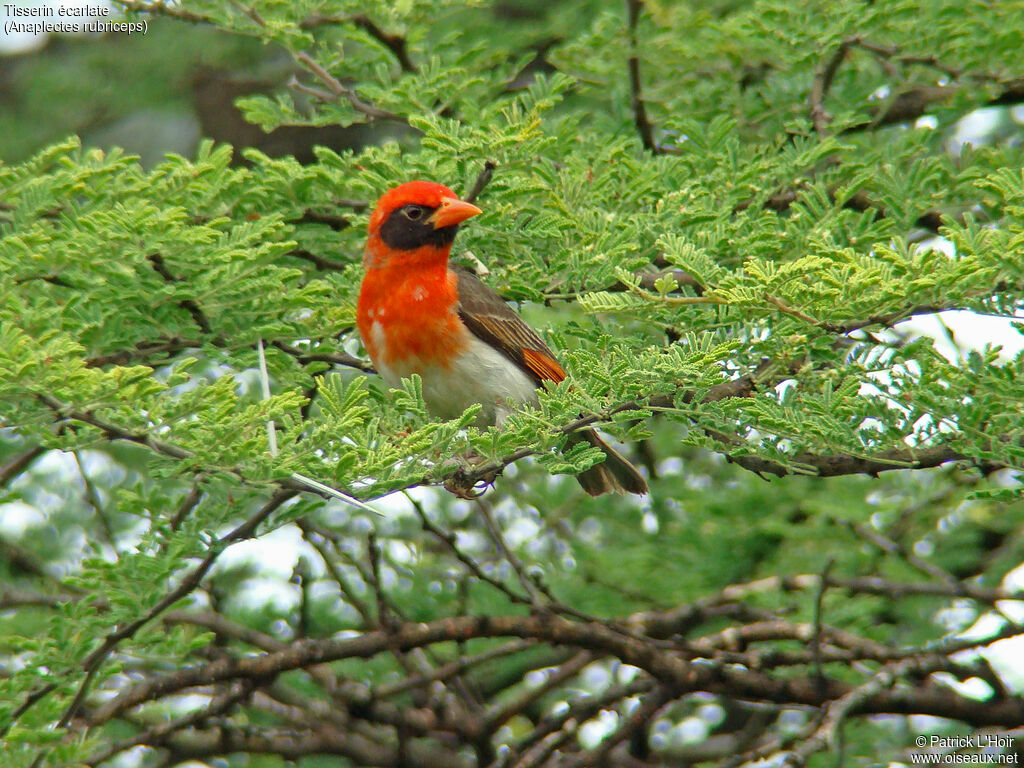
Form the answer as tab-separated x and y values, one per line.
453	211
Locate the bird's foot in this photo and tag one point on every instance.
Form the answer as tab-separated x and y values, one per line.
467	481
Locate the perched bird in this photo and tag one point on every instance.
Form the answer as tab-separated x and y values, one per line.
418	315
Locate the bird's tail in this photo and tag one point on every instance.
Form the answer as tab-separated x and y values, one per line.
613	475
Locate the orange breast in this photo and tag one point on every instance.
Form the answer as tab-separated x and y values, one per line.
408	318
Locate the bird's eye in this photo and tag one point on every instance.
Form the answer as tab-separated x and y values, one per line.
412	212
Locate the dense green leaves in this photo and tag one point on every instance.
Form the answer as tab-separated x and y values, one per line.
730	301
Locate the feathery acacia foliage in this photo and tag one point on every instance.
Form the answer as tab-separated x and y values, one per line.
719	213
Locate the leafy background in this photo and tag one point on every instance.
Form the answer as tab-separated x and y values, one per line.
733	220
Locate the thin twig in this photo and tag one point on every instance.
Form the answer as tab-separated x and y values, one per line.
346	589
92	497
384	617
895	548
244	531
640	119
631	724
19	463
335	358
335	86
449	540
156	734
553	730
482	180
836	713
342	91
317	93
30	701
822	83
190	305
320	262
188	504
453	668
500	714
394	43
25	561
819	601
529	584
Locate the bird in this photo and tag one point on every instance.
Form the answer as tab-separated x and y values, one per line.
419	315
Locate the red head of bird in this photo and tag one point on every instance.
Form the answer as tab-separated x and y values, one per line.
414	222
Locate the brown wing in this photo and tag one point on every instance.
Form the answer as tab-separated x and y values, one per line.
490	319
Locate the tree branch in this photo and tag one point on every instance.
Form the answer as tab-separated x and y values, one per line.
640	119
664	664
244	531
334	358
821	85
160	267
18	464
911	102
337	89
158	734
341	91
482	180
394	43
802	463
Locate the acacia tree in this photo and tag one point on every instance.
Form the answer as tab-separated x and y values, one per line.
718	213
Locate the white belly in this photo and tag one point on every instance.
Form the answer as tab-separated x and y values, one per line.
480	374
